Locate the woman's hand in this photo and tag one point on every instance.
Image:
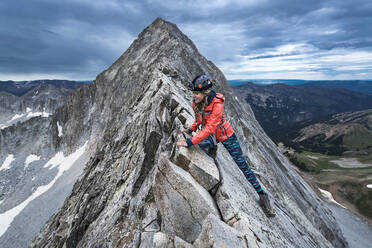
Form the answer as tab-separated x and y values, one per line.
182	143
185	130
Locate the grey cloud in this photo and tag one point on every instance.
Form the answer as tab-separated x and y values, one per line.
40	36
30	38
274	56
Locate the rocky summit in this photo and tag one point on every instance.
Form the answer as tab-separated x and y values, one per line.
139	190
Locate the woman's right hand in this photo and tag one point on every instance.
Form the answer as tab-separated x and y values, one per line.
185	130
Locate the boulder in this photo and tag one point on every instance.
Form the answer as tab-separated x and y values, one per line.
217	234
199	165
183	203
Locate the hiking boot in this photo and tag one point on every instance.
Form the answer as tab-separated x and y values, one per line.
265	205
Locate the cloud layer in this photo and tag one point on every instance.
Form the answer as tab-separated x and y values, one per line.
77	39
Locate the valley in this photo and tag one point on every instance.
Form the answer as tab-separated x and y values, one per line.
336	155
346	178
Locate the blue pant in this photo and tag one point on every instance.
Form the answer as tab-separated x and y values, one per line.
232	145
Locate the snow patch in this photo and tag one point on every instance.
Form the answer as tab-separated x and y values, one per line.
59	130
31	158
24	117
55	161
7	162
329	197
63	163
34	114
369	186
3	126
17	116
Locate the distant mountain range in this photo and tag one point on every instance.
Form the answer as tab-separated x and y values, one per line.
40	100
280	106
364	86
19	88
349	132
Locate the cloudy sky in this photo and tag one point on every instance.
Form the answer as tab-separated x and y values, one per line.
246	39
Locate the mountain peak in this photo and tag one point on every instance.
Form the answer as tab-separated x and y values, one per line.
140	190
161	46
160	25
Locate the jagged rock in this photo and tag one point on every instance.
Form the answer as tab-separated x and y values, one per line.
216	233
151	221
183	203
253	233
180	243
201	167
155	240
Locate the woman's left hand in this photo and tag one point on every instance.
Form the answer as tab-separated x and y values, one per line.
182	143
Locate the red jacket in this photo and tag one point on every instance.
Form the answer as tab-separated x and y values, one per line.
214	121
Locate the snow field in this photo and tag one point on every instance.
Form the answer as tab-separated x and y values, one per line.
60	133
6	164
329	197
31	158
63	164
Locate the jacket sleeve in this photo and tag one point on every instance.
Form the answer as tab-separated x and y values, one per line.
193	126
210	127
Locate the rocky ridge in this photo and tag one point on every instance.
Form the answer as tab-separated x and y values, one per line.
338	125
340	134
139	190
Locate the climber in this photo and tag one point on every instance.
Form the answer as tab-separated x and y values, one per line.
210	119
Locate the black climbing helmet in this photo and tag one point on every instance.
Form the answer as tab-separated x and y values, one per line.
202	82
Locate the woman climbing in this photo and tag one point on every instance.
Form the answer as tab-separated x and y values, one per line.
210	118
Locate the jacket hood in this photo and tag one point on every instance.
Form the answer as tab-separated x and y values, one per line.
215	97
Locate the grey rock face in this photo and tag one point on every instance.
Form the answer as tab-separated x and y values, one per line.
139	190
184	204
201	167
216	233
